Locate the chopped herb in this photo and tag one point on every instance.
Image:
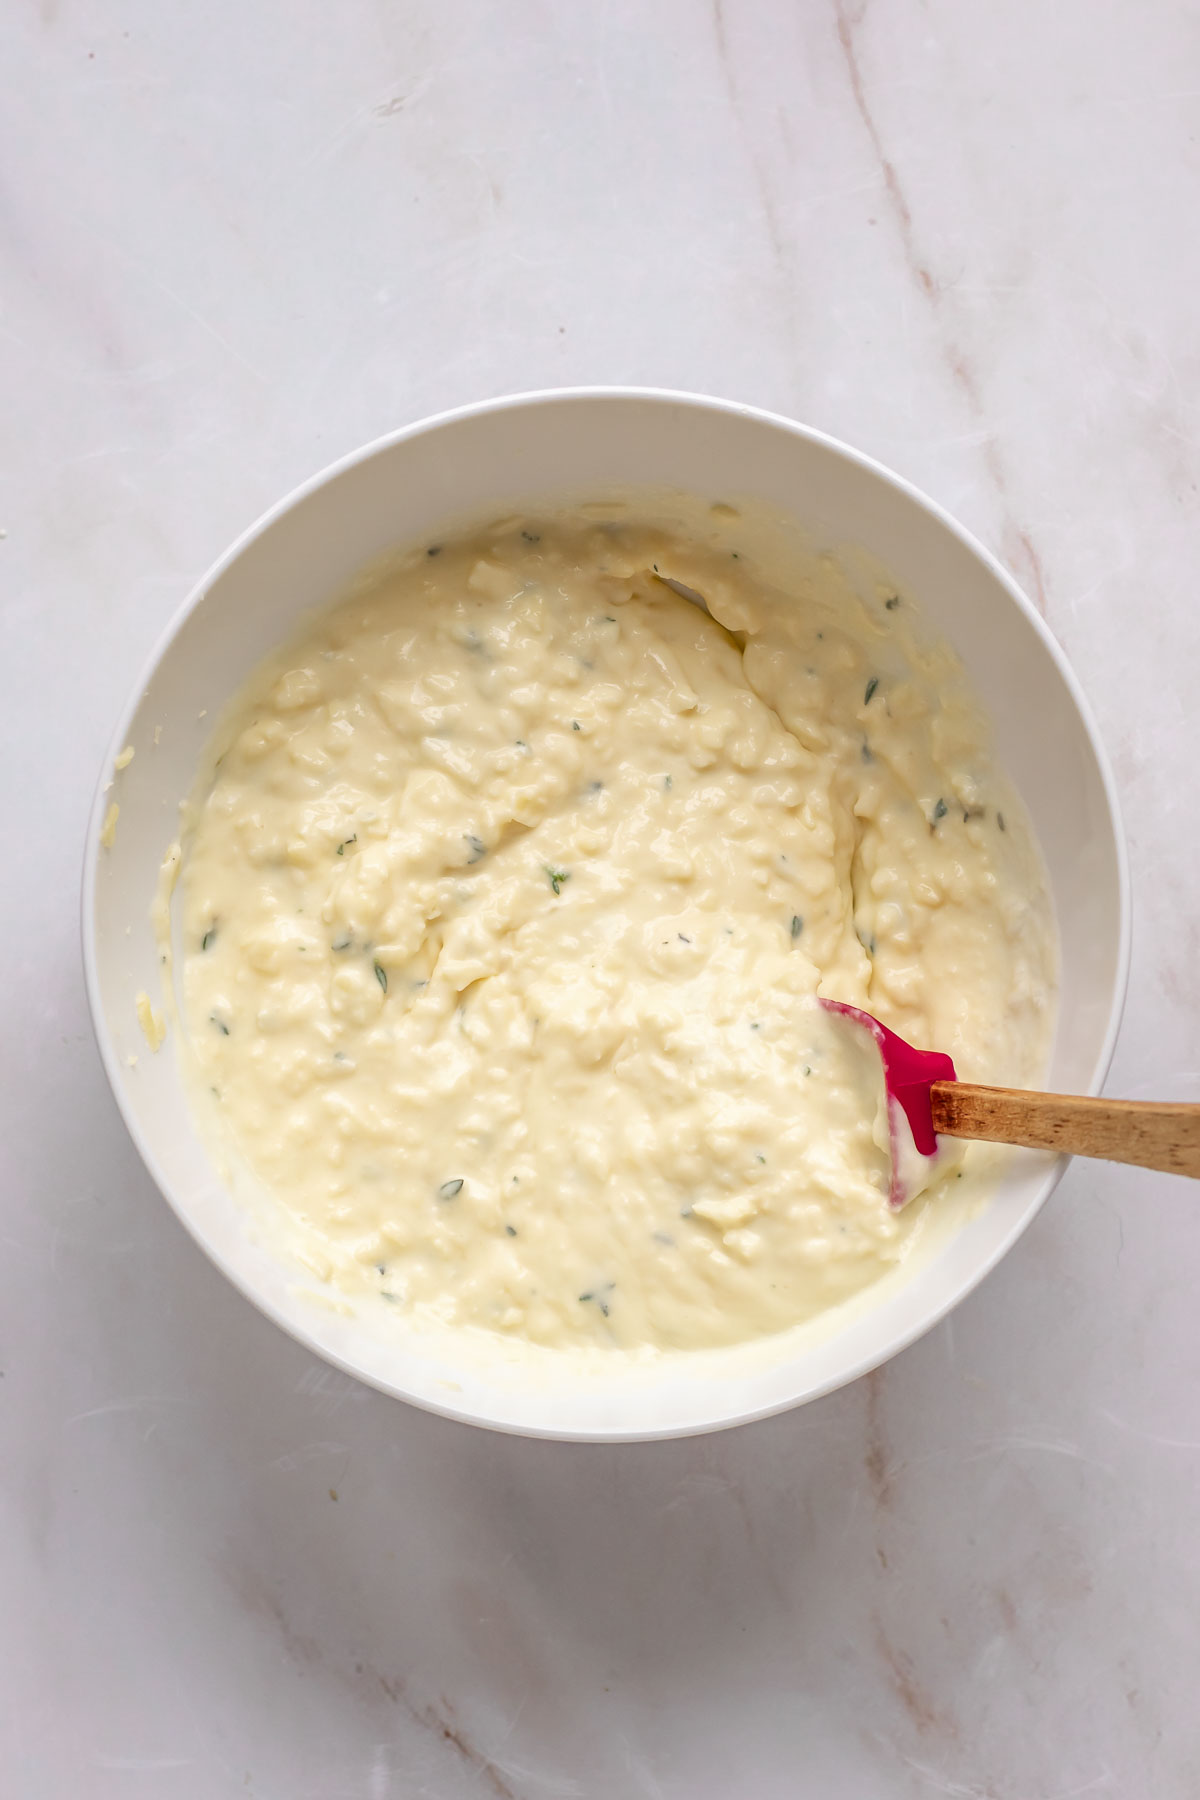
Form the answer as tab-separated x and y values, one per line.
381	976
342	943
871	686
892	602
208	937
1000	821
866	752
609	618
341	849
734	555
532	537
450	1190
601	1302
476	846
557	877
682	939
667	783
220	1024
521	744
755	1026
807	1069
760	1156
939	813
586	1297
434	550
511	1230
655	567
574	724
797	925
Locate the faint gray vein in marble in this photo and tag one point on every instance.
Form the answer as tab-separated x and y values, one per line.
1018	545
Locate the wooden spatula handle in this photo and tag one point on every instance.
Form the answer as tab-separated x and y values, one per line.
1153	1134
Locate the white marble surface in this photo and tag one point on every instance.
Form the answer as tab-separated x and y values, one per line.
237	240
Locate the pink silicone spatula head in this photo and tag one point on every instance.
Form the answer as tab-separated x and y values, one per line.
908	1075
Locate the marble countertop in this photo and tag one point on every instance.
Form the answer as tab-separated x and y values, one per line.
238	240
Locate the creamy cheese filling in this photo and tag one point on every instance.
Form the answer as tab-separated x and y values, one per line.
506	901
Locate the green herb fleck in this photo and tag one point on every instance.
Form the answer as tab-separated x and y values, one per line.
208	937
450	1190
557	877
866	752
667	783
609	619
342	943
532	537
434	550
381	976
476	846
341	849
1000	821
682	939
220	1024
807	1069
734	555
574	724
511	1230
892	602
939	813
760	1156
871	686
797	926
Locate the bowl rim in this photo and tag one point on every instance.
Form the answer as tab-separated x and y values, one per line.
539	398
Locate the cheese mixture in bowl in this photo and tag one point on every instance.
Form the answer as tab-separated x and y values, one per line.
506	900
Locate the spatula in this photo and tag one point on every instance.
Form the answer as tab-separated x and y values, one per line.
925	1099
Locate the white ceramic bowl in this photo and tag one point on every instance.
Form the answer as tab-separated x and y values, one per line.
489	459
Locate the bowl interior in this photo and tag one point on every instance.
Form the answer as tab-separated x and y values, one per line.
485	461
